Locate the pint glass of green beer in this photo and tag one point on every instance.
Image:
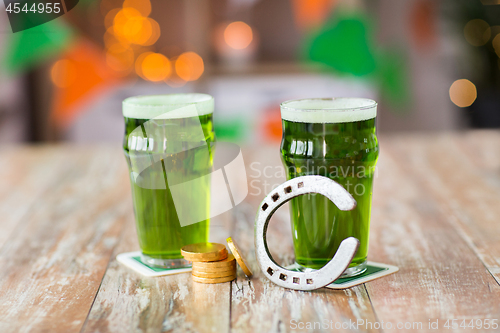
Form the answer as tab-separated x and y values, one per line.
335	138
168	146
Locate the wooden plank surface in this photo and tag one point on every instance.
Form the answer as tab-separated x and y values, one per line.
440	275
26	174
67	212
54	261
482	153
461	175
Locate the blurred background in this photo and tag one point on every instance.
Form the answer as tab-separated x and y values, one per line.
433	65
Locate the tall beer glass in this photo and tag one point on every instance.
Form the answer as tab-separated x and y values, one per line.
335	138
168	147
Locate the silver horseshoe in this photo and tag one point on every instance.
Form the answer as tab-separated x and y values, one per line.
280	195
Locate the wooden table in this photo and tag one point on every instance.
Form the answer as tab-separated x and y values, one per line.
66	213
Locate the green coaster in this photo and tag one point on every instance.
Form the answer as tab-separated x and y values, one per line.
373	271
133	260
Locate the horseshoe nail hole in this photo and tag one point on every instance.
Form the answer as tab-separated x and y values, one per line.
275	197
282	277
288	189
309	281
270	271
296	280
264	207
301	184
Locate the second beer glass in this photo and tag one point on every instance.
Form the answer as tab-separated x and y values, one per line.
335	138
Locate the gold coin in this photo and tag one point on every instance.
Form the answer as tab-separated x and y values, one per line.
239	258
204	269
214	274
204	252
214	280
207	257
215	265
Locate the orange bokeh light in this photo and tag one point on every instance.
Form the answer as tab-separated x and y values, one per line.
138	63
131	25
141	33
155	67
149	33
463	93
155	33
238	35
189	66
127	22
63	73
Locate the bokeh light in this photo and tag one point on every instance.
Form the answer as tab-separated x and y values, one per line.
127	22
238	35
189	66
131	27
155	33
143	32
496	44
463	93
477	32
128	28
138	63
63	73
155	67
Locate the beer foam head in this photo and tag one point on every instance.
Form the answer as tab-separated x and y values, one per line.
328	110
172	106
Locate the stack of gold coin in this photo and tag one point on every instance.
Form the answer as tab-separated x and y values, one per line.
215	271
211	262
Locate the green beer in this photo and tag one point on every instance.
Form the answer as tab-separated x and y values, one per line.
168	142
335	138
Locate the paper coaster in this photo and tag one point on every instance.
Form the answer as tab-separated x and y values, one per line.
133	260
373	271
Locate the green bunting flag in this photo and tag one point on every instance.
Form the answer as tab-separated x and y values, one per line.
28	48
345	44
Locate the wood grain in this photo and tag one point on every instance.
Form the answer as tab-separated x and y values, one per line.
53	263
413	228
467	191
482	153
26	173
